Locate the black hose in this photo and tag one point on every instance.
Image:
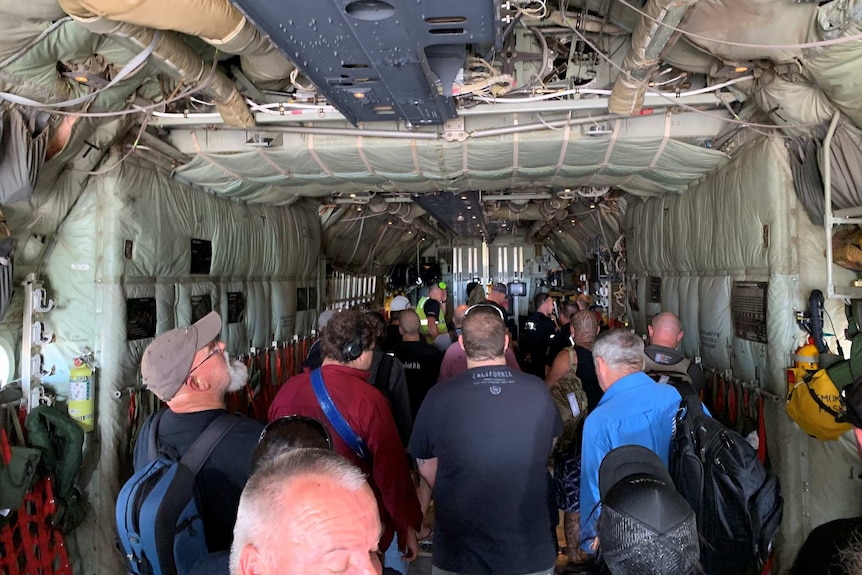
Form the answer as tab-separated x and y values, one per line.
815	311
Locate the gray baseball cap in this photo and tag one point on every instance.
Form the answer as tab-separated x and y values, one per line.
168	359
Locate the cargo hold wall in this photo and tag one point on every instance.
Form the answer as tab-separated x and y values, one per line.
737	233
139	254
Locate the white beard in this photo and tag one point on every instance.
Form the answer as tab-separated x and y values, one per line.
238	374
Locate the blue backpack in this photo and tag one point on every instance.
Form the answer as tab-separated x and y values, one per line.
160	529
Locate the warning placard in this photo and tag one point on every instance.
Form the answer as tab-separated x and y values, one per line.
748	309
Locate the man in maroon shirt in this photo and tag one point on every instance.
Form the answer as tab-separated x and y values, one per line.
346	348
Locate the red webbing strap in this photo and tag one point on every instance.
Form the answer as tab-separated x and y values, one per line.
279	368
5	448
719	396
289	354
732	396
762	453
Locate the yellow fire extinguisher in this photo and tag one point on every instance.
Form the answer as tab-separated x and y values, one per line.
81	394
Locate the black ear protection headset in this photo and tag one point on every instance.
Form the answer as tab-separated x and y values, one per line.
353	348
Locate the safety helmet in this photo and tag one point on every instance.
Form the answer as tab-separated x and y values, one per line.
807	357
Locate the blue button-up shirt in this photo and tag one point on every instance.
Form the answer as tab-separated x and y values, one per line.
635	410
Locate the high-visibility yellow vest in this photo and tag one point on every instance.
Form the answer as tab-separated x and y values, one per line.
423	321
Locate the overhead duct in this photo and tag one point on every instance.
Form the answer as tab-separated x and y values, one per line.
407	212
175	58
217	22
542	211
650	37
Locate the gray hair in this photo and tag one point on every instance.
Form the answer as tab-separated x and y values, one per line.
260	505
621	349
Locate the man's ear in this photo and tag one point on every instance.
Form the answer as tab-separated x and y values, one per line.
197	384
506	343
649	331
251	562
461	342
679	337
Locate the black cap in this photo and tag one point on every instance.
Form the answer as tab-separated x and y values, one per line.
628	460
645	526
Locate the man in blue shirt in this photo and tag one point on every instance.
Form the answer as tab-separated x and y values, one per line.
635	410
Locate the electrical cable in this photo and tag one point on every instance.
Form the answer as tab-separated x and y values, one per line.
802	46
835	332
144	109
686	106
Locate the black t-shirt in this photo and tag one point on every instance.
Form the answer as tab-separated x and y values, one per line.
392	338
534	343
432	308
559	342
586	371
314	359
223	476
422	368
492	431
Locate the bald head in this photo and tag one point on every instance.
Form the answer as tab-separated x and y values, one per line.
436	293
307	511
666	330
408	325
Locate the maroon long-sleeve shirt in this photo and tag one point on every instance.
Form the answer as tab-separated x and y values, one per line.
368	413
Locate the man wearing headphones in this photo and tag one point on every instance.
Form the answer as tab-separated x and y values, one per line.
361	426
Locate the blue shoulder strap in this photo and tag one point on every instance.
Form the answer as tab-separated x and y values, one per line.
339	424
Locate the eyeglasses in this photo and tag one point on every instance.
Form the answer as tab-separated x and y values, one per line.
215	348
297	431
487	306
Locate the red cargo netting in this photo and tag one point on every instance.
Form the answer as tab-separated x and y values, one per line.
29	545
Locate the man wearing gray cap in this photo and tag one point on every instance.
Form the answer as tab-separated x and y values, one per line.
189	369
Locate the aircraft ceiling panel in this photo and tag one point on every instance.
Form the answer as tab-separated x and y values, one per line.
377	60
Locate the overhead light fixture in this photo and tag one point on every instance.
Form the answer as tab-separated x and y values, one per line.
352	195
469	207
459	218
592	205
358	208
463	197
473	217
388	222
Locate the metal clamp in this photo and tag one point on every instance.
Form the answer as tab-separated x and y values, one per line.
41	302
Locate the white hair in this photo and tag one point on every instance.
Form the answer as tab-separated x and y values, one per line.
259	507
621	349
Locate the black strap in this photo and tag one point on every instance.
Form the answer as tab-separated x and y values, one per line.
806	380
204	445
690	398
153	438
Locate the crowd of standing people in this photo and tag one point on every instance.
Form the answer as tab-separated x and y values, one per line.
449	413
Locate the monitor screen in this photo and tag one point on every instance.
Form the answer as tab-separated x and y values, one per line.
517	288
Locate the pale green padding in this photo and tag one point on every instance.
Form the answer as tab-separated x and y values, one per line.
264	252
326	164
699	243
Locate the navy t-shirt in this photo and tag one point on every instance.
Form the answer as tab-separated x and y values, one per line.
223	476
421	367
491	430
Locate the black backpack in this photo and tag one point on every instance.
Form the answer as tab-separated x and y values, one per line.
736	500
